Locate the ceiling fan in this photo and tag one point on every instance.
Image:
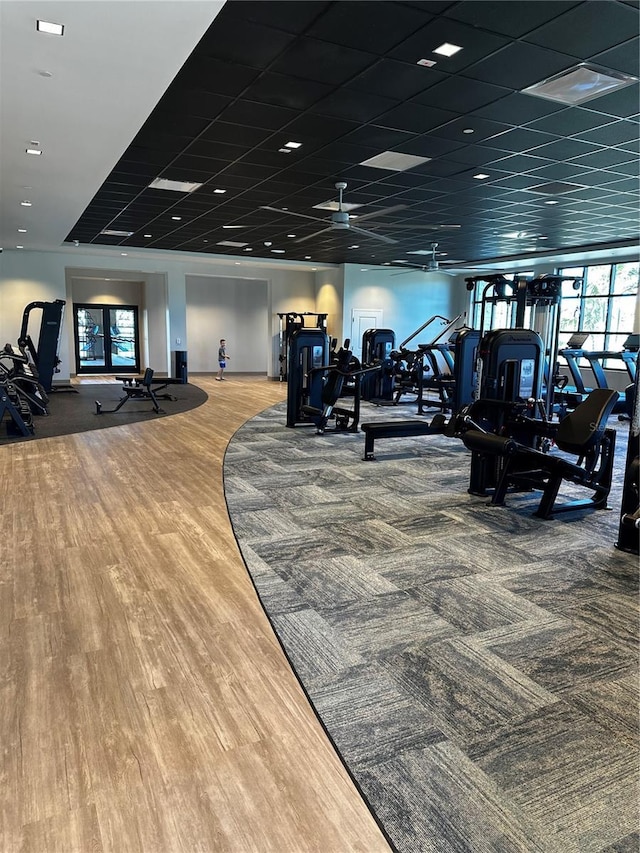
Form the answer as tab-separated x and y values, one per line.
340	219
433	265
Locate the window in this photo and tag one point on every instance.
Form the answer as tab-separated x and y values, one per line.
604	306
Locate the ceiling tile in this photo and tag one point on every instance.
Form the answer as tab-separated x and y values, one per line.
475	43
520	65
587	29
312	59
380	26
510	19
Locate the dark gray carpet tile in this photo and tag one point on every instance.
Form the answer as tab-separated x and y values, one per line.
414	611
271	523
552	584
434	800
312	645
617	616
386	623
345	580
476	603
564	772
560	655
470	691
612	705
369	718
303	550
629	844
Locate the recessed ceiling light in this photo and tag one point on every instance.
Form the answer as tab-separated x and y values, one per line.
147	235
542	237
551	202
174	186
124	254
581	83
395	161
25	203
177	218
468	130
293	145
480	176
112	232
50	27
22	230
291	235
249	249
36	151
219	192
19	247
278	251
233	226
353	247
447	49
238	263
307	257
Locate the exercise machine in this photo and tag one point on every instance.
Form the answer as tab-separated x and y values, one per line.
308	350
582	433
377	346
290	322
629	526
142	388
45	355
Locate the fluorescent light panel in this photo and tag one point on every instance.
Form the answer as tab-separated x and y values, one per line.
447	49
395	161
174	186
50	27
579	84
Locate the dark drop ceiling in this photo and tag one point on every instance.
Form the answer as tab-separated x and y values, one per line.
342	79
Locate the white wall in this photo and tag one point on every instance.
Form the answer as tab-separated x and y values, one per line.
407	298
232	308
44	276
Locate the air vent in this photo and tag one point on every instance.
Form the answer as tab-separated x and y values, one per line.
555	188
111	232
231	243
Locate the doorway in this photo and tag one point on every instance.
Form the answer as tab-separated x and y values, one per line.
361	320
106	338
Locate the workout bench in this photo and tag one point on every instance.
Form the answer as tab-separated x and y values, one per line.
142	388
399	429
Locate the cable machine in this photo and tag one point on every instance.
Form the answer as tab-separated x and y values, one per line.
291	322
45	355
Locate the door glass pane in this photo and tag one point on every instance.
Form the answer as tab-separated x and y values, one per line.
90	338
122	330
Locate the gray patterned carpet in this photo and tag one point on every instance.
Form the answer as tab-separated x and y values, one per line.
476	668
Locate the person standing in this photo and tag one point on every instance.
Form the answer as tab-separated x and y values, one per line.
223	358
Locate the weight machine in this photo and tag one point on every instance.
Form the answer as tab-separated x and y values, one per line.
45	355
291	322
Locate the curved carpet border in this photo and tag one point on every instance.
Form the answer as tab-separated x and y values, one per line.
449	648
75	411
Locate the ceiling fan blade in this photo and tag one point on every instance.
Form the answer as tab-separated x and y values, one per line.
381	212
315	234
362	231
292	213
408	227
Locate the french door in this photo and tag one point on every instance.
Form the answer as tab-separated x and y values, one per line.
106	338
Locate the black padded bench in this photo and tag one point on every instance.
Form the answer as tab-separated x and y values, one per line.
398	429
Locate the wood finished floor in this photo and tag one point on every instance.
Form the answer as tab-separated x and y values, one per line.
145	704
